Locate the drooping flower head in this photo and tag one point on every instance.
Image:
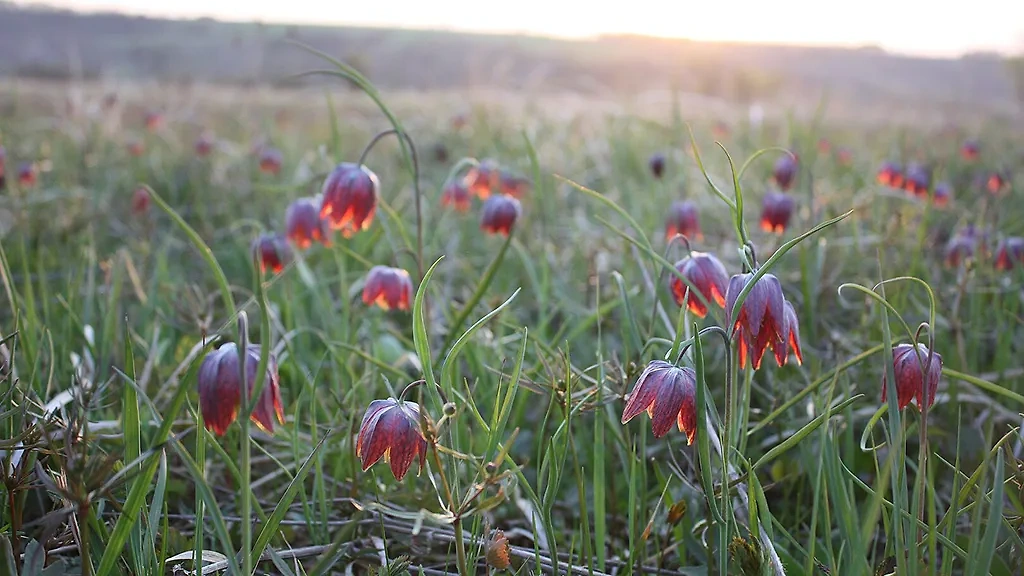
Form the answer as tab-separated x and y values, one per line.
272	251
483	178
303	224
942	193
708	276
456	195
154	120
961	246
388	288
1010	253
890	174
918	180
140	200
996	183
349	198
682	219
220	388
204	144
907	361
270	160
970	150
391	430
499	214
512	184
657	165
27	175
785	171
668	394
793	337
776	211
760	323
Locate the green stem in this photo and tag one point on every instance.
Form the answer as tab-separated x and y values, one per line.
245	503
460	548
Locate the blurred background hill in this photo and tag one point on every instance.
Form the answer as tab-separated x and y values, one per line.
44	43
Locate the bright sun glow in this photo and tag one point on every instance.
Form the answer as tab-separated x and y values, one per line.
913	26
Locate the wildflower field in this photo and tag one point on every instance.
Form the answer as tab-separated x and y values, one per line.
480	342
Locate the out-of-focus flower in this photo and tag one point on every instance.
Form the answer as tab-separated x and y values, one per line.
220	389
512	184
761	321
3	167
388	288
720	129
349	198
499	214
824	146
1010	253
682	219
961	246
890	174
272	251
785	171
391	430
657	165
844	156
140	201
440	153
668	394
907	361
918	180
459	121
942	193
457	196
303	224
154	120
27	175
707	274
970	150
996	183
483	178
135	147
270	160
204	144
776	211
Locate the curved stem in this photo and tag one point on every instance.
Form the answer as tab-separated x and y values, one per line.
402	135
245	506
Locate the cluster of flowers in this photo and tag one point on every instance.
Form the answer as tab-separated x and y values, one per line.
347	203
916	178
969	243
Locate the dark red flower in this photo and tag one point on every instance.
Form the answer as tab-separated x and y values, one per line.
776	211
483	178
220	389
391	430
303	224
270	160
785	171
204	144
970	150
499	214
272	251
907	363
942	194
350	198
918	180
26	175
657	165
140	200
513	185
388	288
668	394
761	321
961	246
1010	253
440	153
793	328
154	120
682	219
457	196
996	183
135	147
890	174
708	276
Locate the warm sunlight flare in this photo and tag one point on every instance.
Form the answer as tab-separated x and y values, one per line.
913	26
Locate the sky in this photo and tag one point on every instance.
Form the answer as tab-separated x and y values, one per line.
921	27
